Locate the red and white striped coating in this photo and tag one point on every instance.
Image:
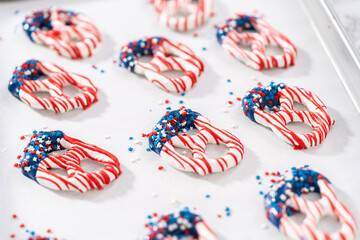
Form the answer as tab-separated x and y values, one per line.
317	118
328	204
77	179
172	55
58	101
204	231
199	162
75	41
198	13
257	58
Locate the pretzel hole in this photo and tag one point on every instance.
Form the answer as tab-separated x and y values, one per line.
173	73
214	151
311	196
298	217
184	151
299	107
273	50
181	13
71	90
42	94
329	224
245	45
90	165
299	127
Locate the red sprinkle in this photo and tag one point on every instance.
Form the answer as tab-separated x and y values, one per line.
196	35
22	225
12	235
219	215
230	102
22	137
238	98
161	168
167	101
14	216
48	231
19	156
155	214
267	173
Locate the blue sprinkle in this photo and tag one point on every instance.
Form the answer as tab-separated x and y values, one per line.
261	193
257	177
228	80
227	209
204	48
231	93
16	11
168	108
228	214
182	94
150	110
207	196
149	217
181	101
32	233
120	65
259	183
148	149
131	138
34	131
293	168
131	149
102	71
306	165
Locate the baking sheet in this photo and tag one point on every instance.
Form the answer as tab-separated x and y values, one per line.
128	106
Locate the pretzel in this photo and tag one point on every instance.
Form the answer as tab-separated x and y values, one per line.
167	55
70	34
25	81
259	34
284	199
170	131
38	161
279	101
197	13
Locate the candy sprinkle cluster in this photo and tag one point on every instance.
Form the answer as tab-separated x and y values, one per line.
169	126
41	20
179	224
27	71
297	181
40	145
240	23
261	98
144	47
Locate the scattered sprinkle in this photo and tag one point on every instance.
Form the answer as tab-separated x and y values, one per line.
234	126
231	93
264	226
257	177
228	80
102	71
131	138
160	167
182	94
130	149
204	48
44	127
195	35
225	110
207	196
253	78
107	137
154	194
167	101
181	101
148	149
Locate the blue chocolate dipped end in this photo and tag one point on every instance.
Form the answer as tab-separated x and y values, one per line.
294	182
40	145
261	97
139	48
170	125
27	71
180	224
239	24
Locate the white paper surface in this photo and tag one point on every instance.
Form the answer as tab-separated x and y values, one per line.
120	210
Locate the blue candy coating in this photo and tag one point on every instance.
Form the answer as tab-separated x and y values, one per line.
27	71
139	48
160	231
265	96
170	125
41	20
302	178
241	23
39	147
